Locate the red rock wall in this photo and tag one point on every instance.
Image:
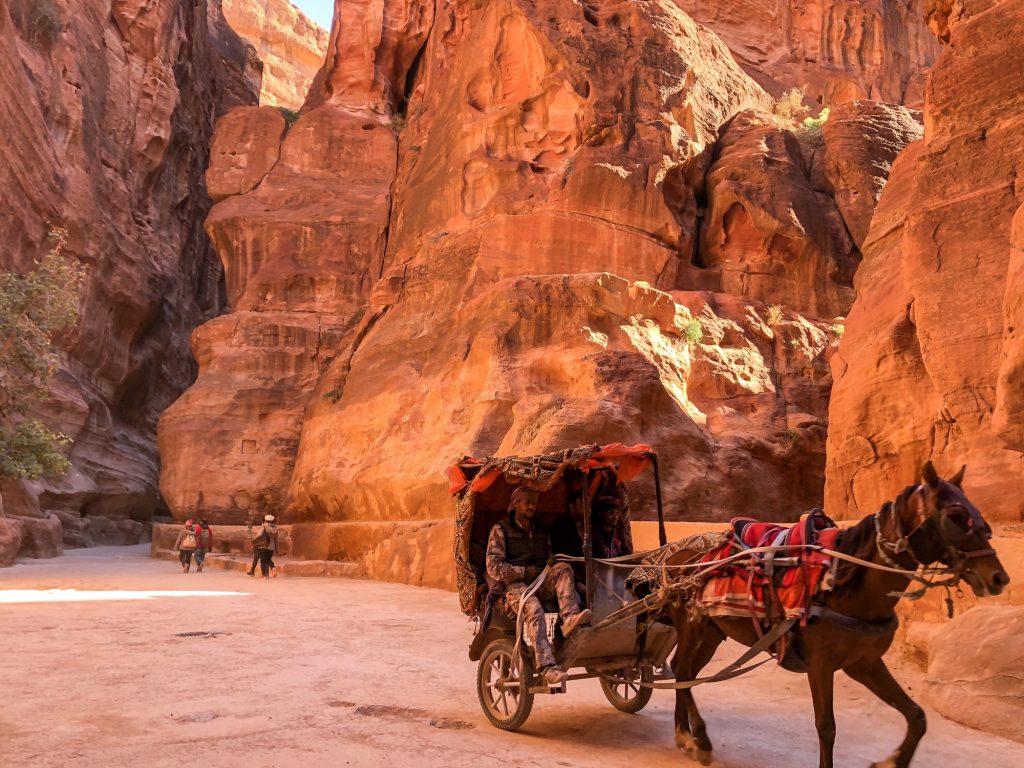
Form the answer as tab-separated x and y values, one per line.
835	50
418	268
929	367
106	113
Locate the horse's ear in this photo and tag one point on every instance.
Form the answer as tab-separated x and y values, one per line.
958	478
929	474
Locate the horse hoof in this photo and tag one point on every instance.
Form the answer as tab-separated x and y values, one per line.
889	762
688	744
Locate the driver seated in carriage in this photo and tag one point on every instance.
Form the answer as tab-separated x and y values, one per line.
517	552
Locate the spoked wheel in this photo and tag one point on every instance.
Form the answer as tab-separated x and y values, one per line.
503	687
628	696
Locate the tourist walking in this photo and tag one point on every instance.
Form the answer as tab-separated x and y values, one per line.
186	544
204	538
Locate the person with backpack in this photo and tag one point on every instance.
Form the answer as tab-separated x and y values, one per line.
204	537
263	548
186	545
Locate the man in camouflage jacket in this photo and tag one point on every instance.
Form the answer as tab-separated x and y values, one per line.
517	551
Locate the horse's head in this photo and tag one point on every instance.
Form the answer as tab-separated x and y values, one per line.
944	526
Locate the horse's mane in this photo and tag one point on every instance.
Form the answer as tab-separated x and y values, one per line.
859	541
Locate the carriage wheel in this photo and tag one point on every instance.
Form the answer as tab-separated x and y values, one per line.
503	687
628	697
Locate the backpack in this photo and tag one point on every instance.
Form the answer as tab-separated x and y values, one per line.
262	541
189	542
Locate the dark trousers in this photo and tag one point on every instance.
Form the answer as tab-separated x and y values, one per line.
185	555
255	559
266	561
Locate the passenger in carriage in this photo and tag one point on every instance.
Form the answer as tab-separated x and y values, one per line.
608	521
517	551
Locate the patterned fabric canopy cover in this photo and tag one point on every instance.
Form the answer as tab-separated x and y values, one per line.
541	472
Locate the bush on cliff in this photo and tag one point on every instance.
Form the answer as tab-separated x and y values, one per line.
34	307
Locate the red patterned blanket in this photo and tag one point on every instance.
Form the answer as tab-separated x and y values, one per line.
760	587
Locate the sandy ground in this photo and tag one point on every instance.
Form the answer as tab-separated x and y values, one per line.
332	672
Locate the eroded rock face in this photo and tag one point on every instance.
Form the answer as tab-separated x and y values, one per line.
106	113
927	367
289	44
836	51
10	540
301	231
861	141
768	233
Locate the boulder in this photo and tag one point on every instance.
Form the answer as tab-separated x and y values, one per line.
41	537
10	540
974	669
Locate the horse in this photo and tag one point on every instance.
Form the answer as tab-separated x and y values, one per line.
930	522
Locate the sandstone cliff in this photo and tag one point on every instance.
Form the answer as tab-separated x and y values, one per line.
930	364
484	235
107	114
289	44
836	51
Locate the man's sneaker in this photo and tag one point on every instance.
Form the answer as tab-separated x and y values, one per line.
554	675
580	619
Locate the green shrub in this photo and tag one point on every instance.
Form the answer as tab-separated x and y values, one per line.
33	307
291	116
789	110
809	132
398	123
693	331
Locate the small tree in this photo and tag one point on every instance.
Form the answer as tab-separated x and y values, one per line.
33	308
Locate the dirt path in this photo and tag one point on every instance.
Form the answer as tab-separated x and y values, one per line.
331	672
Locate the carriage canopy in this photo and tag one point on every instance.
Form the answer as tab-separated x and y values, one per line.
484	487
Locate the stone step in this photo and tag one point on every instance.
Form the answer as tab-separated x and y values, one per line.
286	566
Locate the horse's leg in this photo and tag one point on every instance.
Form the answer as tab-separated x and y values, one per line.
821	678
877	678
698	640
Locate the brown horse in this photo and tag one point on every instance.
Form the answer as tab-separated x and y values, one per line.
928	523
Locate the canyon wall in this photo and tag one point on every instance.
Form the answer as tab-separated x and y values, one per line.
930	364
513	227
835	51
290	45
107	113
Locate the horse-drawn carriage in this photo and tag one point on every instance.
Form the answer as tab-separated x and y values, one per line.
621	653
760	584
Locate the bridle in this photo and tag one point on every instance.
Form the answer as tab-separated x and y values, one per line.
943	535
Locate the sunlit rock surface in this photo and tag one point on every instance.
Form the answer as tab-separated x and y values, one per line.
290	45
836	51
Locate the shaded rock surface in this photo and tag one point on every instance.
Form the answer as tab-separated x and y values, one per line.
978	688
929	365
290	45
107	112
836	51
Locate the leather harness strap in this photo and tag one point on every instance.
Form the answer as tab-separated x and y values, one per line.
726	673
